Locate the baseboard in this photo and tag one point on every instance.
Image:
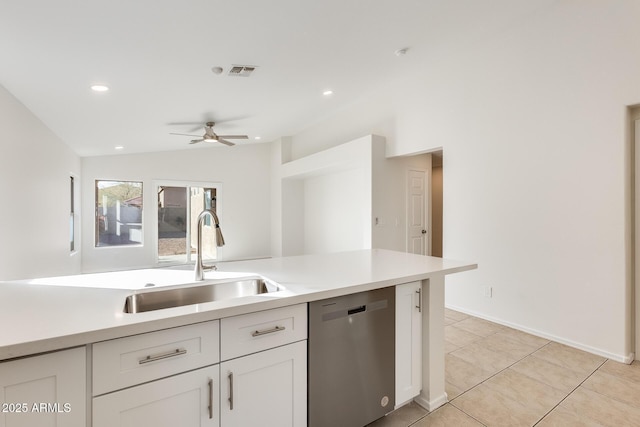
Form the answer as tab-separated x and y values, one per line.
589	349
431	405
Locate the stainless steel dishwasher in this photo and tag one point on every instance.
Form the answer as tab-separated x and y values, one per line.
351	359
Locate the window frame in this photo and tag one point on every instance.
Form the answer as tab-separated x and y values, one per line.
96	238
75	241
187	185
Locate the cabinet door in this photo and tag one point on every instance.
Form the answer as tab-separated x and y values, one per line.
186	400
266	389
46	390
408	341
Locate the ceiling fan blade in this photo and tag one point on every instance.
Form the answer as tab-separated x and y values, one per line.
193	126
229	143
185	123
195	141
183	134
234	136
207	117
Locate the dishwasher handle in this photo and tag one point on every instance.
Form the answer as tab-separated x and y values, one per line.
356	310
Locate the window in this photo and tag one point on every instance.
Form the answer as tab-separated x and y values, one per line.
178	209
72	214
118	213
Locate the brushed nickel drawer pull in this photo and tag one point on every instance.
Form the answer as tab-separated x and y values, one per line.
210	399
172	353
267	331
419	306
231	391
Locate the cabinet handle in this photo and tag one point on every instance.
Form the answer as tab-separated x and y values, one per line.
267	331
419	306
210	399
172	353
231	391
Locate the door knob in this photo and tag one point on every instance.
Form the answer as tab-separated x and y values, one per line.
424	231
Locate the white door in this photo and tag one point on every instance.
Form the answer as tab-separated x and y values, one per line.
408	341
186	400
46	390
417	192
268	388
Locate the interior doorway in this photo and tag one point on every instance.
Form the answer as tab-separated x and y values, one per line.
424	206
436	204
634	228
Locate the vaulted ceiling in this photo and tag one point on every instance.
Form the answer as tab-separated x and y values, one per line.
157	58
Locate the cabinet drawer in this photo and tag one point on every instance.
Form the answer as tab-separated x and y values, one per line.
253	332
189	399
128	361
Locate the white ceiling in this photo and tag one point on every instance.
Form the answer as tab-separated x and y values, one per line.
157	55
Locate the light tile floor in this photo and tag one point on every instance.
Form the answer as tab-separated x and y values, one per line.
498	376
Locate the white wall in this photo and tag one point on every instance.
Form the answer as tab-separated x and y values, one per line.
35	167
244	199
532	122
331	199
326	199
334	208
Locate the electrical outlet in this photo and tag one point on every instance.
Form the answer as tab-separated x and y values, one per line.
488	291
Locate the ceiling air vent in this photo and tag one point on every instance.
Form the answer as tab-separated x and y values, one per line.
241	70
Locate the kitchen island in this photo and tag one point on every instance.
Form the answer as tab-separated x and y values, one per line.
44	315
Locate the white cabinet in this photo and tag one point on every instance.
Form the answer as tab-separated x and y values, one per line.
186	400
128	361
149	362
172	378
262	330
264	368
268	388
408	341
44	390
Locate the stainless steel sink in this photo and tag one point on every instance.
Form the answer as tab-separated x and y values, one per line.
196	294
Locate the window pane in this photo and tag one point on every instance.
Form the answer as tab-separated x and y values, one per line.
72	211
178	211
203	198
172	223
119	213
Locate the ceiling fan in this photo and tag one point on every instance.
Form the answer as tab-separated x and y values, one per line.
211	136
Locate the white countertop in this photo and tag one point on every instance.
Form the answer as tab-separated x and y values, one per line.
53	313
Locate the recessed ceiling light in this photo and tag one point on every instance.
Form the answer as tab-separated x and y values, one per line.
118	147
258	137
99	88
327	92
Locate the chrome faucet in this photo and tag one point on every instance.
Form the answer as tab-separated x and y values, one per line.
200	267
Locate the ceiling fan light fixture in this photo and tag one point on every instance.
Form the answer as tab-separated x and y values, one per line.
211	136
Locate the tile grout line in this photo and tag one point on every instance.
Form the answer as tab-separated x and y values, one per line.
487	379
549	342
519	360
571	392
